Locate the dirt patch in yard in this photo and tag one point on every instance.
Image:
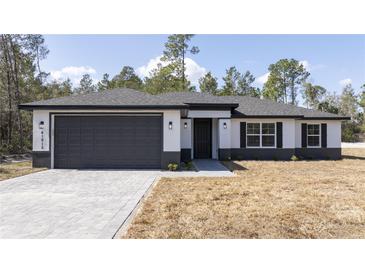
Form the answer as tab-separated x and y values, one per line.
267	199
12	170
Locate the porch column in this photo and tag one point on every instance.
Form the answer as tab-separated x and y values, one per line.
186	140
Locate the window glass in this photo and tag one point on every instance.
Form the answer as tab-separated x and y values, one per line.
268	128
253	128
261	135
313	129
313	141
253	140
268	141
313	133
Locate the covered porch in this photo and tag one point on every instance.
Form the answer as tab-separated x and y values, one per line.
203	133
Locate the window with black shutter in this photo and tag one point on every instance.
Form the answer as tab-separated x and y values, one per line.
243	134
279	134
304	135
324	135
313	135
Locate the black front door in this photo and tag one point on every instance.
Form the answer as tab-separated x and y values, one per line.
202	138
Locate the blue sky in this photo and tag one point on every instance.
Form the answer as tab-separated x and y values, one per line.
332	60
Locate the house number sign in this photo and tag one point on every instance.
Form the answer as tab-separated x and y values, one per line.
41	127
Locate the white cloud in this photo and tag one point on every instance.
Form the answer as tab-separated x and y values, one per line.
145	70
310	67
345	82
262	79
72	72
193	70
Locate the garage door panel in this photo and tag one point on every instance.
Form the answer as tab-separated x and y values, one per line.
108	142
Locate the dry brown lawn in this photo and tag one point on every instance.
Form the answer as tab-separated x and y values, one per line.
267	199
12	170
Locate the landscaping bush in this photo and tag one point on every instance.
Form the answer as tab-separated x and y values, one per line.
189	165
172	166
294	158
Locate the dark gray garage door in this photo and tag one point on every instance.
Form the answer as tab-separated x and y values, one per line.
107	142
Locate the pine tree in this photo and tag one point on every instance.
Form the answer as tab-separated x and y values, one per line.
208	84
176	49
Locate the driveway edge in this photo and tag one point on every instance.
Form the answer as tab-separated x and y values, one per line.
123	228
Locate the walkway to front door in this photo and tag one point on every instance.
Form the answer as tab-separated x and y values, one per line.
210	165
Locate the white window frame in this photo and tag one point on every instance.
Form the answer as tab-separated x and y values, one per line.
250	134
274	134
319	135
260	135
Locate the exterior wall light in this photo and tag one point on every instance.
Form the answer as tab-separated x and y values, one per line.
170	125
225	125
185	125
41	125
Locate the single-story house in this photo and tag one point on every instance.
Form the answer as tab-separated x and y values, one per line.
124	128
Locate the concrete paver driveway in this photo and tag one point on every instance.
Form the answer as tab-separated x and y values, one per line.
70	203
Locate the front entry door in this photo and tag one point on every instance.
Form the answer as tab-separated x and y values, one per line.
202	138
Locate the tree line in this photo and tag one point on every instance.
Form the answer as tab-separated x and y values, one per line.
22	80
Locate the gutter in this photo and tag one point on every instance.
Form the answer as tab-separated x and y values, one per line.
298	117
82	107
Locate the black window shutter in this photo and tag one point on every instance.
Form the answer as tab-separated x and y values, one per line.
324	135
279	134
243	134
304	135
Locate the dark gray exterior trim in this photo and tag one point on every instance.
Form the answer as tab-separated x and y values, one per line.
326	118
298	117
100	107
168	157
262	153
279	154
202	106
224	154
41	159
266	116
319	153
185	154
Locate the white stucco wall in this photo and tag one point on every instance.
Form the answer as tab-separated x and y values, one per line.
333	132
298	133
38	116
185	133
171	137
224	133
288	130
209	114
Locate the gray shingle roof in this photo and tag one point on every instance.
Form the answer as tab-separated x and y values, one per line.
127	98
114	97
